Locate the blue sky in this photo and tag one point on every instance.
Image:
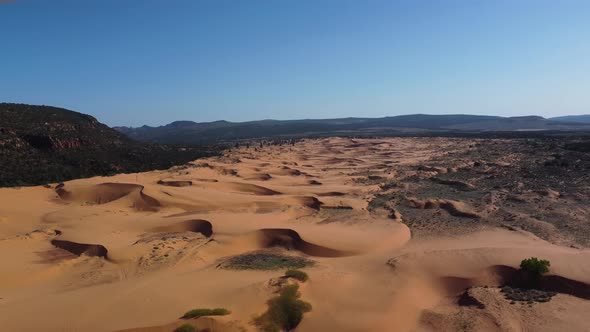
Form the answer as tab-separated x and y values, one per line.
135	62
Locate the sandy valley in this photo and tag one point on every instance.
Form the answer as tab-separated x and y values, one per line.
405	234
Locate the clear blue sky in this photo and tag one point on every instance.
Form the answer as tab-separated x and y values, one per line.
134	62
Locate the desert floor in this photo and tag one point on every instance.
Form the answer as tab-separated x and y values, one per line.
407	234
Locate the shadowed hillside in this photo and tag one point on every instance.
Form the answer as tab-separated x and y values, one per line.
41	144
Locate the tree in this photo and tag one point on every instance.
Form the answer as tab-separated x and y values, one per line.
533	269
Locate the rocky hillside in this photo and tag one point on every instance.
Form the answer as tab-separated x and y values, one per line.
41	144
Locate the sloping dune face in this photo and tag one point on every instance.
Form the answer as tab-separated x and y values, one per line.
99	194
252	189
104	193
309	202
454	208
290	239
398	234
196	225
260	177
81	248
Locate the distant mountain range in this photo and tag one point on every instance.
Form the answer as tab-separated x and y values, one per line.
573	118
206	132
41	144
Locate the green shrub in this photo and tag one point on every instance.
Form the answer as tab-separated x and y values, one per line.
265	261
195	313
186	328
535	267
297	274
284	312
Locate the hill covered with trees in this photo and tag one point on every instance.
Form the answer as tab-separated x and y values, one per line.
42	144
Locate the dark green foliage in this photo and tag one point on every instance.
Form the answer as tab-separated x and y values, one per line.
195	313
284	312
265	261
535	267
297	274
42	144
186	328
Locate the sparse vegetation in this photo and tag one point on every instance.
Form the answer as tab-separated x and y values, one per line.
265	261
186	328
284	312
297	274
526	295
195	313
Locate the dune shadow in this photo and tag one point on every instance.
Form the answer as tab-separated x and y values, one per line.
78	249
331	193
551	283
503	275
175	183
291	240
194	225
252	189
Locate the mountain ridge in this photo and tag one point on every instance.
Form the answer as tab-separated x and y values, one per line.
202	132
584	118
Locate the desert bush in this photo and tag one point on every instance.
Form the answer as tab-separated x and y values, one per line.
186	328
297	274
284	312
265	261
534	266
195	313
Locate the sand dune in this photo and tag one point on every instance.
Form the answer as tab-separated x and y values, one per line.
285	170
332	193
260	177
406	234
251	189
108	192
291	240
81	248
196	225
309	202
98	194
41	234
202	324
454	208
207	180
